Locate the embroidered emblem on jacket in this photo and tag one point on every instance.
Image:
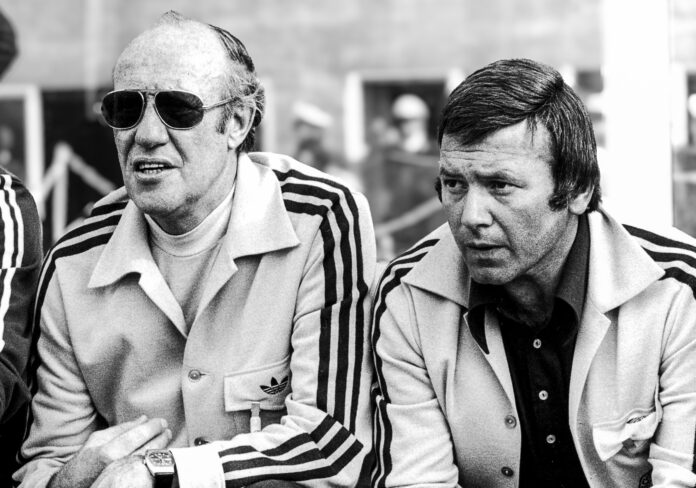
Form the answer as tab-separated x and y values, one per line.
275	387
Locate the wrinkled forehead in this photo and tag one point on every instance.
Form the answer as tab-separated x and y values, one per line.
170	56
508	148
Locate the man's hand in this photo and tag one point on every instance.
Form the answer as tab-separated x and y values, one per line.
103	447
128	472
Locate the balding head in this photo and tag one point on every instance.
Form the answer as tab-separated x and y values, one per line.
191	49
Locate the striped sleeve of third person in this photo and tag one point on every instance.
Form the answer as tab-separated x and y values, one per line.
323	452
382	432
13	242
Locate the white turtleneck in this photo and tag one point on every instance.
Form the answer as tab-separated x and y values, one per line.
185	260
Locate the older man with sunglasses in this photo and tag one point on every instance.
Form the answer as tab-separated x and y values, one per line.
206	325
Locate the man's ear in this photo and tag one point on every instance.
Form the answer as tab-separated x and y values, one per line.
578	205
239	126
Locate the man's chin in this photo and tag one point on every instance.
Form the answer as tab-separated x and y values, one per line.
489	276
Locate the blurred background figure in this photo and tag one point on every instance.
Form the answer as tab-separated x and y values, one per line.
8	156
8	52
399	177
8	45
310	125
411	116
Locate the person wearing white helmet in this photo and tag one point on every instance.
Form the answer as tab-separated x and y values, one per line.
399	178
411	116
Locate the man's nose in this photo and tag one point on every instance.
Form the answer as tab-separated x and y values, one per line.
476	210
151	131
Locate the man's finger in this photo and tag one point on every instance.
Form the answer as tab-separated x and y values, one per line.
159	442
133	439
105	435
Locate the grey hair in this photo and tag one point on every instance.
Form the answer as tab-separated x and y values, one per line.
242	84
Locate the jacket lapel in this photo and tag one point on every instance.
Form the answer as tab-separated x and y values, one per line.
591	332
128	252
619	269
497	357
443	272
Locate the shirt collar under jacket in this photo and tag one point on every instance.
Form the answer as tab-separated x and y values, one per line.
258	224
571	287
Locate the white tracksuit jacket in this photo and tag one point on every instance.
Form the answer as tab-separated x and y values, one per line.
446	408
282	321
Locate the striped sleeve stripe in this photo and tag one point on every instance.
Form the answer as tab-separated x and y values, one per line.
107	209
382	432
677	258
95	231
391	278
322	453
343	265
659	240
12	246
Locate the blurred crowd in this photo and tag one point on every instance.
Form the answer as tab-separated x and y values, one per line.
397	175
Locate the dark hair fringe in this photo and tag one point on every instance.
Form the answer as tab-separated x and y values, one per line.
510	91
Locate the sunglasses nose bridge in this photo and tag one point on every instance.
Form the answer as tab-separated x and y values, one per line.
151	128
149	101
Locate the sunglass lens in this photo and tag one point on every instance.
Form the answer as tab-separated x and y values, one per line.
122	109
180	110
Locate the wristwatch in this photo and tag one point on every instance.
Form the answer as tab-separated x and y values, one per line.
160	463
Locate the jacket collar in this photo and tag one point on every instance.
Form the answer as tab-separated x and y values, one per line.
258	224
618	268
442	271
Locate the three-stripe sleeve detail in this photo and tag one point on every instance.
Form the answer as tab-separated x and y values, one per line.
382	430
332	445
11	246
320	454
343	270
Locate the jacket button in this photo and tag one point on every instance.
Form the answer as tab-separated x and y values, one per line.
199	441
507	471
510	421
194	375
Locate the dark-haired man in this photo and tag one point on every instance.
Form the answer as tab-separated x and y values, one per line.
533	341
206	325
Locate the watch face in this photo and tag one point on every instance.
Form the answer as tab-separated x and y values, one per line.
160	458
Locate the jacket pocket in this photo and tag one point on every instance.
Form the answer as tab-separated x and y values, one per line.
632	432
268	384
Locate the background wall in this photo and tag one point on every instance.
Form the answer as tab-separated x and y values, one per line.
307	47
351	58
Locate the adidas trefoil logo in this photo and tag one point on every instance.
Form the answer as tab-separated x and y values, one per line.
275	387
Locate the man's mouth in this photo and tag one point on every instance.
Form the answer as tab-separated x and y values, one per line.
482	246
150	168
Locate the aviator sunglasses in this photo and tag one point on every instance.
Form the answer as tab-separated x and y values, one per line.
177	109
